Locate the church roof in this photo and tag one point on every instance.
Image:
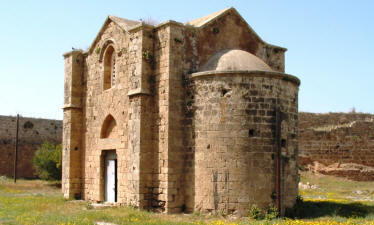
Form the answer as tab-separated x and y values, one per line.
235	60
205	19
125	23
201	22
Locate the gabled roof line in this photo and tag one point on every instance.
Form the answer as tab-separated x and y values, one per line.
206	20
125	24
106	22
131	25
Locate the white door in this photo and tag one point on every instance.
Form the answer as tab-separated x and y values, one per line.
110	180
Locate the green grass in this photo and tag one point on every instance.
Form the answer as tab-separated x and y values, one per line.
336	199
337	188
40	202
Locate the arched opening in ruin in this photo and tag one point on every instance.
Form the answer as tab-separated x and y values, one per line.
109	127
109	67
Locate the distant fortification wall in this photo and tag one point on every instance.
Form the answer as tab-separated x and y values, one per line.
337	138
331	138
32	133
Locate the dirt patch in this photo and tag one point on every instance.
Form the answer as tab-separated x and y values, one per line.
351	171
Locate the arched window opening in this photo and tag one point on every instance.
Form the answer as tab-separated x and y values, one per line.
109	67
113	76
108	128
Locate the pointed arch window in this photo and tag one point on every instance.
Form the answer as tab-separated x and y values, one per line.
109	67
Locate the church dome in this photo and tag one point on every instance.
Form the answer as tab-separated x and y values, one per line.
235	60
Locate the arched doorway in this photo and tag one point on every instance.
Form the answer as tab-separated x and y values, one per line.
109	166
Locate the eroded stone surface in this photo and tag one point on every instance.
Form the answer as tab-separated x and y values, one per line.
338	144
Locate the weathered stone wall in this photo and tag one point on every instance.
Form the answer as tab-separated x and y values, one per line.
72	125
185	48
161	98
336	138
99	103
32	133
176	136
234	127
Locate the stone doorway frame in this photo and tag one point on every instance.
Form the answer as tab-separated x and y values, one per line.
103	157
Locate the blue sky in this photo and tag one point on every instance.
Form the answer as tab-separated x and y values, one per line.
330	46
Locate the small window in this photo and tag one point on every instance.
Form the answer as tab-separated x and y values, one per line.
109	67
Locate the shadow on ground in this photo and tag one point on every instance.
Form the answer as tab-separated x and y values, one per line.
305	209
55	185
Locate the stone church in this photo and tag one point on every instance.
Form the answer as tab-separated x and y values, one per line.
181	117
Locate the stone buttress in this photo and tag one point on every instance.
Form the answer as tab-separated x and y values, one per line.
72	125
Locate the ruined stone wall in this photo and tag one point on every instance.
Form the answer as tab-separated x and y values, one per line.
32	133
234	124
336	138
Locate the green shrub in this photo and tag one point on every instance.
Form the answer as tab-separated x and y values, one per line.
271	213
255	213
47	161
